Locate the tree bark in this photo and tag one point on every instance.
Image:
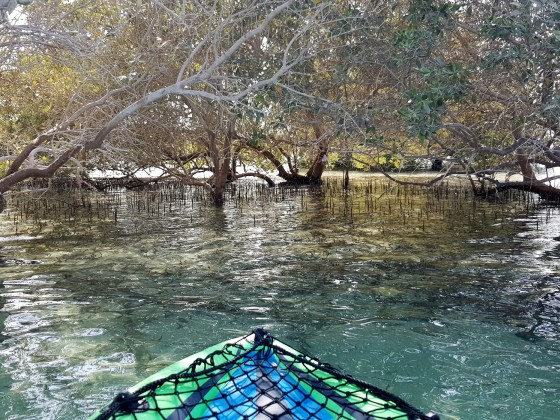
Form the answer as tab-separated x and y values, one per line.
319	164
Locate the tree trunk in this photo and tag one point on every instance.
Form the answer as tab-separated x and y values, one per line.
223	169
291	177
319	164
346	179
545	191
218	195
525	166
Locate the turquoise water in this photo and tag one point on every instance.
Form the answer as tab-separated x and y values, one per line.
453	306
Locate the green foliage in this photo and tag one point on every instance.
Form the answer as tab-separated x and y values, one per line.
257	136
434	81
426	21
432	14
414	42
508	23
373	138
551	109
442	83
32	98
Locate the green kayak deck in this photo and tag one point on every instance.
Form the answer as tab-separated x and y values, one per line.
255	377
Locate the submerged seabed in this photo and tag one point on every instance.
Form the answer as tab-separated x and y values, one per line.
449	302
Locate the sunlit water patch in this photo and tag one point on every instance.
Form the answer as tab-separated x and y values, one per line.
454	308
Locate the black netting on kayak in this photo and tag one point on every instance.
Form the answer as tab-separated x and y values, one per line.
259	378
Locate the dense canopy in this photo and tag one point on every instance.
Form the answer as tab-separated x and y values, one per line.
258	88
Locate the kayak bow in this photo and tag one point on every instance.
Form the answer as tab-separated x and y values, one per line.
255	377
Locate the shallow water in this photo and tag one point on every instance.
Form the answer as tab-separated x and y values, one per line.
451	305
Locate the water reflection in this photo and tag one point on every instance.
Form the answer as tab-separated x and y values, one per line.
454	306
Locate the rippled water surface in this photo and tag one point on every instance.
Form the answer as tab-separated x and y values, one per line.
453	306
